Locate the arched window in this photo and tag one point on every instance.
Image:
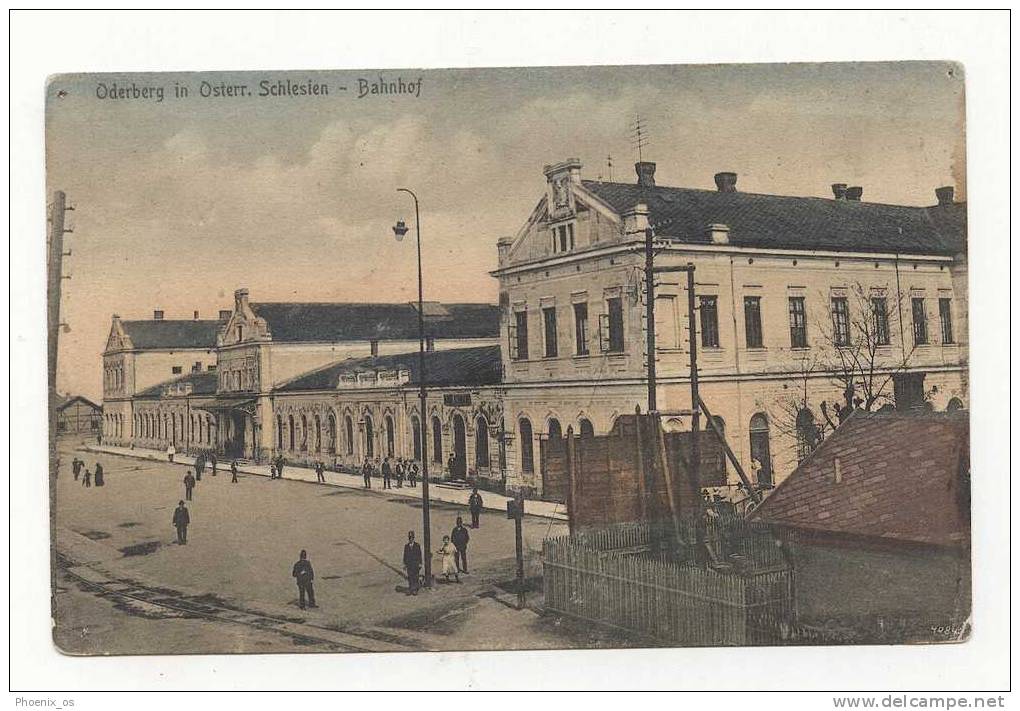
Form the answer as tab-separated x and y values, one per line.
481	443
416	435
555	431
807	433
331	434
208	431
349	433
304	433
954	405
527	446
760	448
279	431
437	440
318	434
389	436
290	425
585	428
369	437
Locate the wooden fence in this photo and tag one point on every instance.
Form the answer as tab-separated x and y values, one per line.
620	577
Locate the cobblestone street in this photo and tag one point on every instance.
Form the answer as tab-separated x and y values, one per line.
245	537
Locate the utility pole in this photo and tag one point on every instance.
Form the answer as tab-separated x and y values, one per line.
55	277
650	318
515	510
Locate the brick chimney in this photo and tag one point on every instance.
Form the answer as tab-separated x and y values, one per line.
645	173
854	193
240	299
157	315
839	191
726	182
944	195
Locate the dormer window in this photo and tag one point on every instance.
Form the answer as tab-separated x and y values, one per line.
563	237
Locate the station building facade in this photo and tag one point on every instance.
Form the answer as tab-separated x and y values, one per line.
788	290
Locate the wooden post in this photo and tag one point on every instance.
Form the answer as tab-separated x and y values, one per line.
755	494
571	481
642	483
667	475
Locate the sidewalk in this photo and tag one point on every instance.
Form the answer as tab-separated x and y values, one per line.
294	472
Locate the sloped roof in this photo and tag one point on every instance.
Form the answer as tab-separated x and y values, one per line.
905	477
71	399
204	383
780	221
171	333
470	367
330	322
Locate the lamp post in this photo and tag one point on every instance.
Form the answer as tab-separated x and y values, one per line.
400	229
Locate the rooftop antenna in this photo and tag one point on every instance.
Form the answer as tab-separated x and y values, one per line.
639	136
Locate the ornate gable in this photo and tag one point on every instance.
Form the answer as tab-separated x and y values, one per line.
118	340
243	325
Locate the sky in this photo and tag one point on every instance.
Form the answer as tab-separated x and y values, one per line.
180	202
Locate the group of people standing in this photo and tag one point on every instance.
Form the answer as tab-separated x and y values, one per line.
453	553
192	479
78	469
403	469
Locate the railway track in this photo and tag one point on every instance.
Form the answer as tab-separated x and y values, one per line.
301	632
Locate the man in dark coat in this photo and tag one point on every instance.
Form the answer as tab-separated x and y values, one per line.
366	473
76	465
181	520
475	505
279	467
412	474
86	480
451	464
233	472
400	471
99	475
412	563
304	575
199	467
320	472
212	458
387	474
460	537
189	484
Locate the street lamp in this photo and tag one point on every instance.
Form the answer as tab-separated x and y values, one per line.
399	230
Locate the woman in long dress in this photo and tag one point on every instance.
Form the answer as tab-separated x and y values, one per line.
447	552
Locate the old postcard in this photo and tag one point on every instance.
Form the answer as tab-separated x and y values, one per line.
508	359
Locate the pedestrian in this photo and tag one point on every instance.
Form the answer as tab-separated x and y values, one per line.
448	555
212	458
233	472
320	472
387	474
272	471
460	538
412	563
451	464
279	467
170	452
401	470
181	520
189	484
412	476
305	575
76	467
99	475
199	466
86	480
475	505
366	473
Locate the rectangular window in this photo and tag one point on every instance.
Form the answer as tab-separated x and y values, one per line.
752	321
176	370
946	319
920	321
521	321
709	307
570	232
666	323
840	321
798	322
581	329
549	320
563	237
614	308
880	320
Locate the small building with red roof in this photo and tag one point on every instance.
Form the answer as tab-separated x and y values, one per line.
876	522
